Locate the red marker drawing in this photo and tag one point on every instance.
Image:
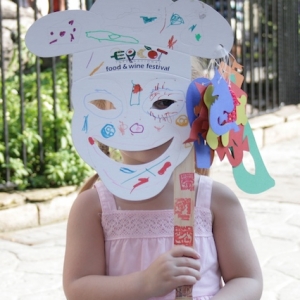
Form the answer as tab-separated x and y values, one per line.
136	89
163	170
91	141
141	181
172	42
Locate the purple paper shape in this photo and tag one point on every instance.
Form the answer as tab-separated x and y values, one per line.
194	96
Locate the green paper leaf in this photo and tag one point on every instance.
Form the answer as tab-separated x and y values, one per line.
261	180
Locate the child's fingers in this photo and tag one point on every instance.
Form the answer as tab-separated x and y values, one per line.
185	280
186	271
188	262
179	251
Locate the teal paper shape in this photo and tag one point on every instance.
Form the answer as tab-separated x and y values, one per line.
261	180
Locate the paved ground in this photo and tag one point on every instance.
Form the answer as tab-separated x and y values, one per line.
31	260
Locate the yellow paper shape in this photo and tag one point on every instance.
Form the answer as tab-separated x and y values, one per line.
241	111
212	137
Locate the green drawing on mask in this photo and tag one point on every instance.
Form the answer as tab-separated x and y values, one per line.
101	35
198	37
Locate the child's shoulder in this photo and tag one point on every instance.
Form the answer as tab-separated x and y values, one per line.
223	199
87	201
220	190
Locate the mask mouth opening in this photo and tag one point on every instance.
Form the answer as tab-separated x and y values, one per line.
115	154
110	152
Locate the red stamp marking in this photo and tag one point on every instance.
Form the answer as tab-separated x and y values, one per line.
163	170
187	181
183	235
184	291
183	208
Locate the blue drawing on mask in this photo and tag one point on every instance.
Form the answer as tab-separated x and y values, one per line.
192	28
148	19
85	126
147	170
127	171
176	20
108	131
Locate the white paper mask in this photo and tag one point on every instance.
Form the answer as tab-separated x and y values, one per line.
131	54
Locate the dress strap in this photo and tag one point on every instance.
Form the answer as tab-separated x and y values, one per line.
204	192
106	198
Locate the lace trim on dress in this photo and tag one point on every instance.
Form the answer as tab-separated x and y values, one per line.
150	224
194	298
202	298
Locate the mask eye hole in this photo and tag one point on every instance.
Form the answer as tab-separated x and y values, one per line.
103	104
162	104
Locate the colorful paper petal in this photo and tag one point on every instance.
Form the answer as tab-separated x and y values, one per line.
221	107
261	180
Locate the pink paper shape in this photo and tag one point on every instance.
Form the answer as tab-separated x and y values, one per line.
234	150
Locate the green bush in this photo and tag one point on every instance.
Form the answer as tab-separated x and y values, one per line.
61	165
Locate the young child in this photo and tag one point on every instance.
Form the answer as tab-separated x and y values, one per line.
120	249
132	91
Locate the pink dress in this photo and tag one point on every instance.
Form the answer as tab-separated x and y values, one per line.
135	238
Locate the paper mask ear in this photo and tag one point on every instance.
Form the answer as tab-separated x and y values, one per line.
61	33
194	29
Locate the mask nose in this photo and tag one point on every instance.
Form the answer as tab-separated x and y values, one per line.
136	128
135	97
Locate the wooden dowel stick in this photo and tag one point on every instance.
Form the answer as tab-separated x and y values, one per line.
184	203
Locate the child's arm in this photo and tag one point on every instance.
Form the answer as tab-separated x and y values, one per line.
84	268
237	258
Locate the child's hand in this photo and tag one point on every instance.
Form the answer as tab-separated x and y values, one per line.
177	267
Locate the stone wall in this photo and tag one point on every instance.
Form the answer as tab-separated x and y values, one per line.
10	27
32	208
272	128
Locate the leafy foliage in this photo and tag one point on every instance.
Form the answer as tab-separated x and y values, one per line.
59	164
